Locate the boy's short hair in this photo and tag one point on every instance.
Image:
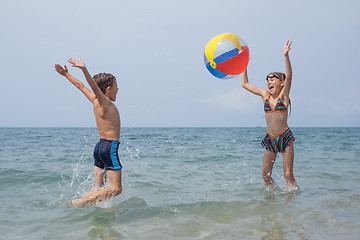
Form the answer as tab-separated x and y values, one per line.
104	80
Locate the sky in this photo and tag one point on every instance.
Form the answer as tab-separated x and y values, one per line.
156	51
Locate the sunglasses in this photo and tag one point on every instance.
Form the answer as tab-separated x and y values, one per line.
272	76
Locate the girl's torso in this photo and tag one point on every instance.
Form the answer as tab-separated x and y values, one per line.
276	113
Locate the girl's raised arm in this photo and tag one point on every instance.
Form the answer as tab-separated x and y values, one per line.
251	88
288	79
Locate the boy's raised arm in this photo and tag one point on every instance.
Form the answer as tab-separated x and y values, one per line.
80	64
64	72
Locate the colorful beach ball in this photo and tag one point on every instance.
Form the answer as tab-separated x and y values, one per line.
226	55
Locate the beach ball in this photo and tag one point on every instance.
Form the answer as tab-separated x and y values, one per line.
226	55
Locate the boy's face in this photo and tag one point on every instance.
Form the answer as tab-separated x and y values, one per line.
113	91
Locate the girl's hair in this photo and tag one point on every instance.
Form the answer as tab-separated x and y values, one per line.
282	77
104	80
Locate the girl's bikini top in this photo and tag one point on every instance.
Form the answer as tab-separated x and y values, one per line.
279	107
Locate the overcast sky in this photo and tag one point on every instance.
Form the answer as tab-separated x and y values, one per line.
155	49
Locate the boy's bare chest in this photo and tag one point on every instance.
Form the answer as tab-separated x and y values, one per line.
110	112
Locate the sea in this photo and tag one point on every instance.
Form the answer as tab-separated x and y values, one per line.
180	183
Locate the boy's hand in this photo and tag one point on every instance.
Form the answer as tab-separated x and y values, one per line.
61	70
77	63
287	47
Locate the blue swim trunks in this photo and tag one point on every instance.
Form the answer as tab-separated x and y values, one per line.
106	155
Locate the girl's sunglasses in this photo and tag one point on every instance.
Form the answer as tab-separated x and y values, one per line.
271	76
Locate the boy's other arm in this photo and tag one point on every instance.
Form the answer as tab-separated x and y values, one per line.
64	72
97	91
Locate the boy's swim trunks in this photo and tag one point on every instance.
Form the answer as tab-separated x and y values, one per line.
106	155
278	143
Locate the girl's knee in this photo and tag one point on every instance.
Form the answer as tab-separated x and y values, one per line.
288	174
265	174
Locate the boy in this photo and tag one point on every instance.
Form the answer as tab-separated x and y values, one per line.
103	94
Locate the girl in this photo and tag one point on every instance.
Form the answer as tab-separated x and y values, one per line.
279	137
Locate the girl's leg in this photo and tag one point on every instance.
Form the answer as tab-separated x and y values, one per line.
288	163
268	163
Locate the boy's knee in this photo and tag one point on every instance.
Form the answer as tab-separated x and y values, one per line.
116	191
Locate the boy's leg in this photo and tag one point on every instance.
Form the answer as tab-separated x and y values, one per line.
100	179
268	163
115	181
113	190
288	163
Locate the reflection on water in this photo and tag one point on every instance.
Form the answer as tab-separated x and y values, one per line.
102	221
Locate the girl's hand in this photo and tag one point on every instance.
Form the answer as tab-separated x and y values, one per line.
287	47
77	63
61	70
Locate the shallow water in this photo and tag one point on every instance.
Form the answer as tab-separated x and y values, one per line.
180	183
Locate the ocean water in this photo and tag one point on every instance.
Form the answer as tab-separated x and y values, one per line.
180	183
